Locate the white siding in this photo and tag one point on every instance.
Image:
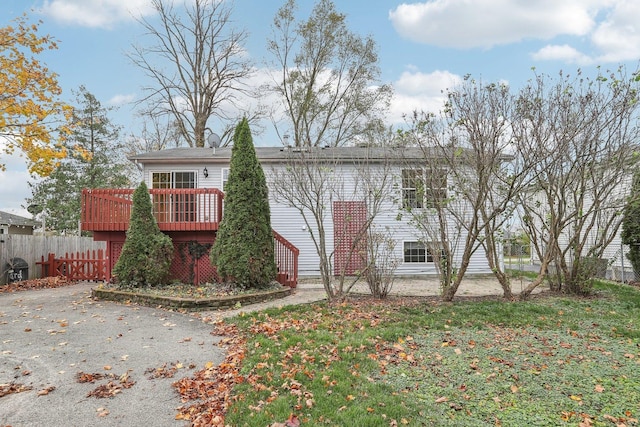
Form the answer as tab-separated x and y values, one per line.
288	221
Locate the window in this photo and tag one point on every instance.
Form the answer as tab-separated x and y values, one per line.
423	187
417	252
184	180
412	188
225	177
436	186
414	252
173	180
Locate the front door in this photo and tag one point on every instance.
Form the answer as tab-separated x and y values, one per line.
184	203
174	206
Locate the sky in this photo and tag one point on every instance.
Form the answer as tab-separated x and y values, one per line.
424	48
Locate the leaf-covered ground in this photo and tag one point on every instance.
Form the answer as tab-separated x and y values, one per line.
34	284
547	362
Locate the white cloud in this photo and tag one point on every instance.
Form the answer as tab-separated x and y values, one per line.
413	91
95	13
617	38
121	99
416	91
563	52
486	23
607	30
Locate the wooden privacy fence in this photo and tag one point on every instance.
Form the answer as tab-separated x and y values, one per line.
31	249
89	265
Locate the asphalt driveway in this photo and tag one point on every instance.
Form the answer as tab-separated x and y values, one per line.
49	339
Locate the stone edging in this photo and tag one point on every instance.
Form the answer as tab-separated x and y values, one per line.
190	304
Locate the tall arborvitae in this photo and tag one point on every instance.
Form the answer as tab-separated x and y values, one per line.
147	252
631	225
243	249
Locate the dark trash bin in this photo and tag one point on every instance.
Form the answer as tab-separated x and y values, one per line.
17	269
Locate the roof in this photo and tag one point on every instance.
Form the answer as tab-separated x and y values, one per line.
7	218
187	155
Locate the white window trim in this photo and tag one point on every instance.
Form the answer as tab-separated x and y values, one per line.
425	203
426	253
404	260
172	172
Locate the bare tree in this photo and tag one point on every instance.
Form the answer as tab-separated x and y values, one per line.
157	133
481	118
465	188
197	65
581	134
427	199
327	77
323	185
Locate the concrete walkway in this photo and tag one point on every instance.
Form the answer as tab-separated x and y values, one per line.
311	290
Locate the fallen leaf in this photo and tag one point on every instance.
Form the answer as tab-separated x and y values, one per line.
13	388
83	377
598	388
442	399
46	391
107	368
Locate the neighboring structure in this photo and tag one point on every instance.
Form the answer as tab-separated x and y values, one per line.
187	186
16	224
613	262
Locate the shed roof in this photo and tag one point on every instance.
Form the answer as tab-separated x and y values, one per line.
7	218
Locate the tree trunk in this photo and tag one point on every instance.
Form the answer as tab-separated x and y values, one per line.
503	279
199	128
526	293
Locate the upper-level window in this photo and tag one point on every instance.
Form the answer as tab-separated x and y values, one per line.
412	188
173	180
225	177
423	187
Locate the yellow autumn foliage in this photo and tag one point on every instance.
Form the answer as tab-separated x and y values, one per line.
32	117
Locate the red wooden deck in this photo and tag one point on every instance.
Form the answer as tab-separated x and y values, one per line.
193	209
181	213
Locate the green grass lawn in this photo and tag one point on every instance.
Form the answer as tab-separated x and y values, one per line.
547	362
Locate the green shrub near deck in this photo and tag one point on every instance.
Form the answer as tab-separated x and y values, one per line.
147	253
243	249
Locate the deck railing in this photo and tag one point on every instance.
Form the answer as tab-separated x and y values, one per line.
189	209
286	255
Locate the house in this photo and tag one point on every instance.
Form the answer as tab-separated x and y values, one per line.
187	187
16	224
